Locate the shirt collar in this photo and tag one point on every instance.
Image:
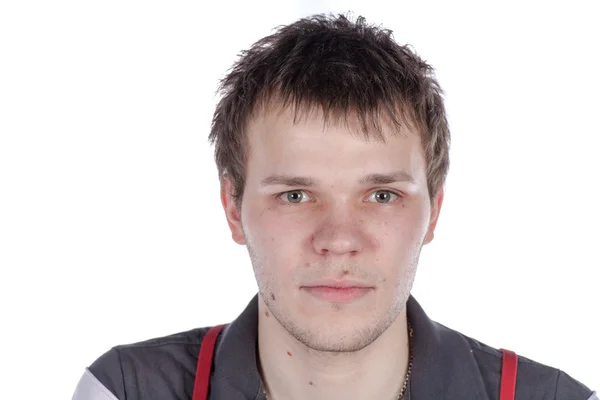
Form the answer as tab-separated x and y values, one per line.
443	365
236	374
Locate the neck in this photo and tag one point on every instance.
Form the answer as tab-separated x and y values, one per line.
291	370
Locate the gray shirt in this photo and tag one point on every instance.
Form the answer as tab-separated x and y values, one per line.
446	365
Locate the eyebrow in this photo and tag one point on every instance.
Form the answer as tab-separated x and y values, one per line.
370	179
286	180
385	179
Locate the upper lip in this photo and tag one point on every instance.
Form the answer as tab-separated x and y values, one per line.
338	283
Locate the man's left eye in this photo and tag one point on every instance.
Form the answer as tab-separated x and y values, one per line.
383	196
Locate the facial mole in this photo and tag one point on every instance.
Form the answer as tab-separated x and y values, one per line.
289	354
273	296
310	383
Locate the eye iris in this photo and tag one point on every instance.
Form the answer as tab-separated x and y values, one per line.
383	197
294	197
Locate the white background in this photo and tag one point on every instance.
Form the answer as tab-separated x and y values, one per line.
111	229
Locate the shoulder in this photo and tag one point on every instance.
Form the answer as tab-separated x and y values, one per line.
164	366
90	388
534	379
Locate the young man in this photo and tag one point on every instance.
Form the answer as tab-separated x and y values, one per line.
332	149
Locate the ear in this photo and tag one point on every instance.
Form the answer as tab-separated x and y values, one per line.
232	211
435	214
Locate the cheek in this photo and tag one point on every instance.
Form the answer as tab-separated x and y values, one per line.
275	230
401	235
278	240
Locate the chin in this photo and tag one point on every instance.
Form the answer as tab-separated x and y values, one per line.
331	332
338	339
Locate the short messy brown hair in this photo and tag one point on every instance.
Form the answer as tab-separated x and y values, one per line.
341	66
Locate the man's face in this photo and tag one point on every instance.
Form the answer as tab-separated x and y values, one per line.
324	208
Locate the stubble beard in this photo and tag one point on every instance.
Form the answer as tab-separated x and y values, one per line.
324	340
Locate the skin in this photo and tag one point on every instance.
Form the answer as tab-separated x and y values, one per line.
339	226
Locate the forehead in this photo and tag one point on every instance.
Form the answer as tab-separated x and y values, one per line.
280	141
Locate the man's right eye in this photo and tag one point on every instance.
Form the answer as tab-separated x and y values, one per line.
295	196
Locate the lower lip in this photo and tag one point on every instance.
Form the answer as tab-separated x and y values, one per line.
337	295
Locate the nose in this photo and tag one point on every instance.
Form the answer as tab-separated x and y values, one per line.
339	233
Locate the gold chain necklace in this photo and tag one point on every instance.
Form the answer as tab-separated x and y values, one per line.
410	361
410	364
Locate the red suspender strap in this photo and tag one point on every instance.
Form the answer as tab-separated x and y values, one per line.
508	382
207	349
